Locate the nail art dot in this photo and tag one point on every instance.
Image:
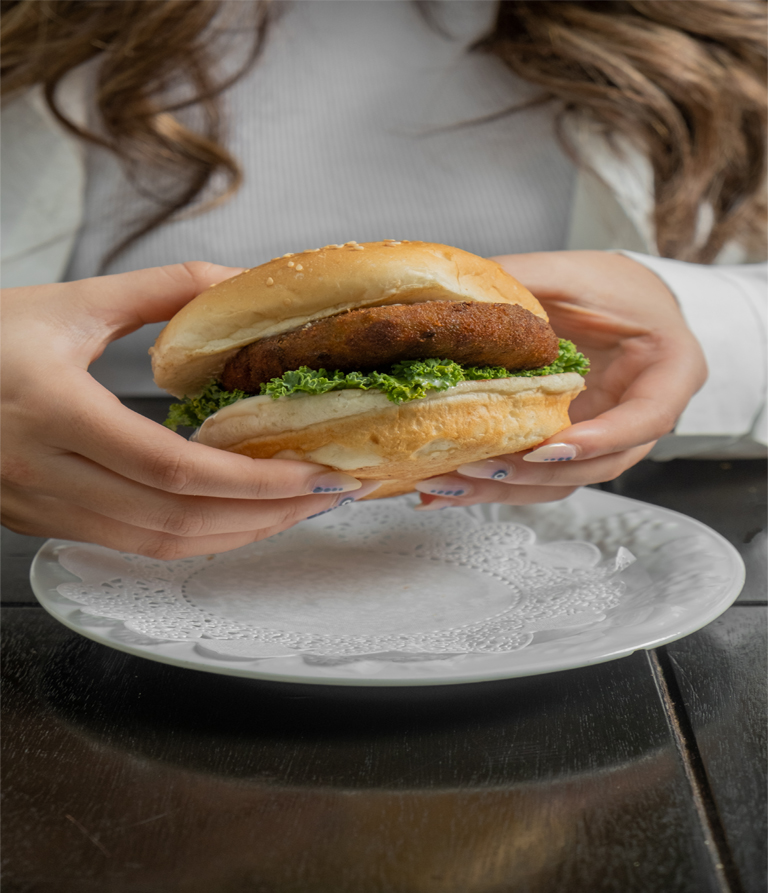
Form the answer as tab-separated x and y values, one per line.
500	475
347	500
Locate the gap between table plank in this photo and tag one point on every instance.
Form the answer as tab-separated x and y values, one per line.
681	730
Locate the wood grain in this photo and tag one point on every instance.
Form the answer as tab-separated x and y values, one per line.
121	774
723	684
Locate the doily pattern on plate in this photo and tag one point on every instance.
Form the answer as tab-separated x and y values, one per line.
374	578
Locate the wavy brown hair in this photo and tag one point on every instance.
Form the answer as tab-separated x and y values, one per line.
685	81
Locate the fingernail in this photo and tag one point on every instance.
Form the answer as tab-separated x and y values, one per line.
488	469
554	452
333	482
445	486
436	504
364	489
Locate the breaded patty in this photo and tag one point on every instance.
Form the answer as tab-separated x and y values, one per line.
373	338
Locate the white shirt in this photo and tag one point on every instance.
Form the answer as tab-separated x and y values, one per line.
346	130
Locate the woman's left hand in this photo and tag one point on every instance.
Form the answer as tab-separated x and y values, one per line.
645	367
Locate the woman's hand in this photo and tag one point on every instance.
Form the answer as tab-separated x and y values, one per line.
646	366
77	464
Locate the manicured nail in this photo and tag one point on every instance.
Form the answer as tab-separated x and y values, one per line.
364	489
445	486
436	504
333	482
488	469
554	452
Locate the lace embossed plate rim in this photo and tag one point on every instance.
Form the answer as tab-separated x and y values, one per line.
697	574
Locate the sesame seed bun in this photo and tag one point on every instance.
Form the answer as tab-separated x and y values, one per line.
360	432
290	291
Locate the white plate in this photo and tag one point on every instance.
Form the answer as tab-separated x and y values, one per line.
376	594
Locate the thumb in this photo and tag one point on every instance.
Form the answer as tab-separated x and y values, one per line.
126	301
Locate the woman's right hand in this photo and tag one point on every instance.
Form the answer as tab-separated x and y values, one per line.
79	465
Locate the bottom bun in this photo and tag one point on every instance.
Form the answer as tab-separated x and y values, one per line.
366	435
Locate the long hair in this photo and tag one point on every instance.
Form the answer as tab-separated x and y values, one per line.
685	81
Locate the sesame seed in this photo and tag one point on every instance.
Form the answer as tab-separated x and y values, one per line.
270	281
291	263
347	244
359	248
290	254
299	267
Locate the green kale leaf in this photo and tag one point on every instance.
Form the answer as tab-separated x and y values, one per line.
195	410
414	379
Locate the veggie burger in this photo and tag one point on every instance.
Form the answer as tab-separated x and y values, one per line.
392	361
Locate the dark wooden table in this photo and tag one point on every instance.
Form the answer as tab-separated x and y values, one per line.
121	775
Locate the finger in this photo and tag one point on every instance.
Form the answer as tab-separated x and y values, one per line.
647	410
71	478
101	429
488	479
551	275
508	495
127	301
45	516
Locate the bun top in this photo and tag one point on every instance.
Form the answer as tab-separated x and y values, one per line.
295	289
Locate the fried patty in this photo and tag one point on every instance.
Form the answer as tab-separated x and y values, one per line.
373	338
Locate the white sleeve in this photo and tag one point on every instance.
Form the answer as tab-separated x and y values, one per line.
726	308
